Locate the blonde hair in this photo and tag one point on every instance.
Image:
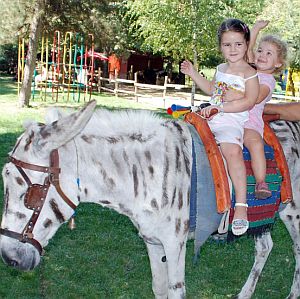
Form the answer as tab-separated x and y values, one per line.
282	49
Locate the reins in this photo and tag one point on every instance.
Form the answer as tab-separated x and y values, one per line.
35	197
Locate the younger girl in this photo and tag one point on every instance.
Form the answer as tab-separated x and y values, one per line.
228	124
269	58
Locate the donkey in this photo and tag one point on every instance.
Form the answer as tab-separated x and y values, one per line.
133	162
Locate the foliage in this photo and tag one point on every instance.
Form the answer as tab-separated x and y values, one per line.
101	18
168	27
8	58
17	19
177	28
284	17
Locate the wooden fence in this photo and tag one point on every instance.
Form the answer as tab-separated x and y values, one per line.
134	88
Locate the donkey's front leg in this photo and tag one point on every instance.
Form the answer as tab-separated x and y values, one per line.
159	270
291	219
263	247
175	253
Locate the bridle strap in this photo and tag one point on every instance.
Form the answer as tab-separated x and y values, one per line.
53	172
22	238
54	178
34	167
24	175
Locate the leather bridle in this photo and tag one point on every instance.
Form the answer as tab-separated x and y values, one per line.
35	197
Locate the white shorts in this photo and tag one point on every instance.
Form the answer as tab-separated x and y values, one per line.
228	129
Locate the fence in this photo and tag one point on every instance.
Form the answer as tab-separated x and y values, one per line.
137	89
134	88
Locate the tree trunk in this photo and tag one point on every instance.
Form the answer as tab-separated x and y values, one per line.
35	29
195	62
194	5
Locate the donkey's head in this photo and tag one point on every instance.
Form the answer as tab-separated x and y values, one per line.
34	204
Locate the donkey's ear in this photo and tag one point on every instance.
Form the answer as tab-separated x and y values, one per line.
61	131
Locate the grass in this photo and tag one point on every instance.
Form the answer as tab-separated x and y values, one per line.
104	257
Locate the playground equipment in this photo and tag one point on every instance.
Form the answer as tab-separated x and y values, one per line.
177	110
65	66
293	83
21	62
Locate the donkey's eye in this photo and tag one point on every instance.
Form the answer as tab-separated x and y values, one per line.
7	172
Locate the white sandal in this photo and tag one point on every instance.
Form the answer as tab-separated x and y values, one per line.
240	226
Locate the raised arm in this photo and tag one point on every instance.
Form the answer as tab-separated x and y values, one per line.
206	86
259	25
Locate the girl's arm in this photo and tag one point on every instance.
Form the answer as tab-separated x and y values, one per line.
264	91
287	111
233	95
249	100
246	103
259	25
207	86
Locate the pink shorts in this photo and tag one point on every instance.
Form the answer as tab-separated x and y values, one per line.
256	125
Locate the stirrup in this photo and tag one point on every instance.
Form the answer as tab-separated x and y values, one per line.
240	226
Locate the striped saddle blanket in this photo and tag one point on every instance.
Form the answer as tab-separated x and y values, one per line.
204	218
261	213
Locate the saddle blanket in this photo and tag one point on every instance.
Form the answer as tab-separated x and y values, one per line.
261	213
204	219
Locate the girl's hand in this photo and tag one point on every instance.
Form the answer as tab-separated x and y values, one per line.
260	24
187	68
209	112
233	95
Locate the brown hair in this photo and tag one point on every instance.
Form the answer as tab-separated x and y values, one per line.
281	46
234	25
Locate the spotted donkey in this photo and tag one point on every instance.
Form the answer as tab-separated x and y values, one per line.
133	162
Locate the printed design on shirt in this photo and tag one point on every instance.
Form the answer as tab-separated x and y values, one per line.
219	93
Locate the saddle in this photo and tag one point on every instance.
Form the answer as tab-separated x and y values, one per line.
219	173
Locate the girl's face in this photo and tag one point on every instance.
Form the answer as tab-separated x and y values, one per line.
233	46
266	58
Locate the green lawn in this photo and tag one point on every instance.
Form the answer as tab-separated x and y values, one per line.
104	257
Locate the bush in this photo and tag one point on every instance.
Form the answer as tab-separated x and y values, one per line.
8	58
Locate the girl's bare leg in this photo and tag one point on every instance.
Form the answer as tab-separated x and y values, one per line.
254	142
237	171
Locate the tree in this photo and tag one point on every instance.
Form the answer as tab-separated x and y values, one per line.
170	27
35	29
284	17
29	18
16	21
8	58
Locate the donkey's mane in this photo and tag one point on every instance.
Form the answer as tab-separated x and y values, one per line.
122	122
